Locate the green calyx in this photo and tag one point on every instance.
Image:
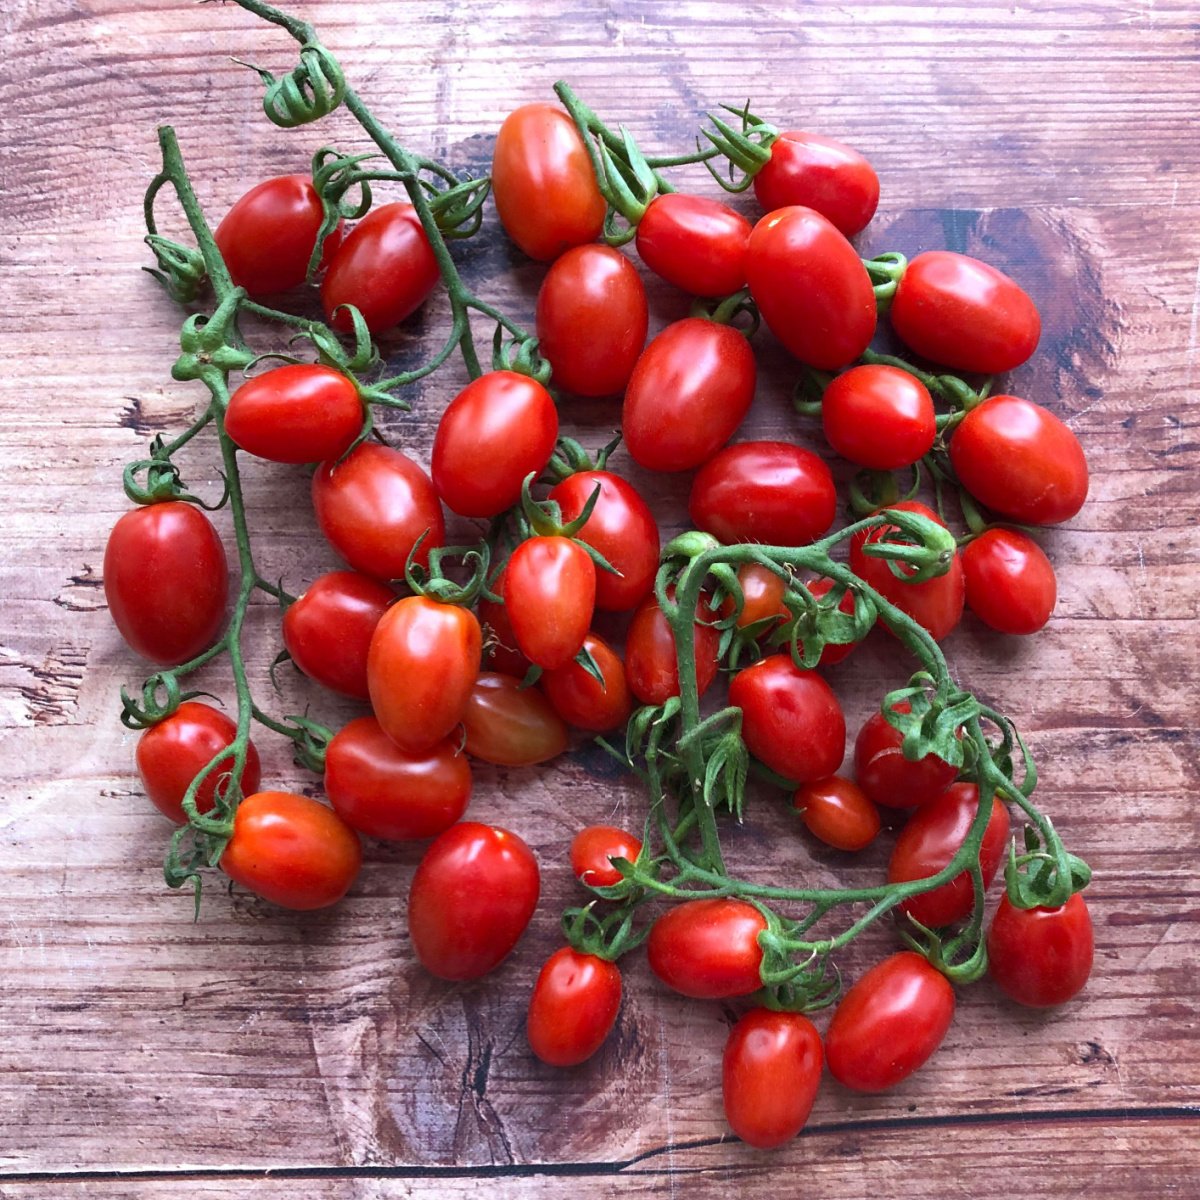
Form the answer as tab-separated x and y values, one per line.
519	355
747	149
432	580
310	91
885	271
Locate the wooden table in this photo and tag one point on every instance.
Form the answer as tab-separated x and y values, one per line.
260	1052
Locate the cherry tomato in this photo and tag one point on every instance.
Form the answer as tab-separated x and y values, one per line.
573	1008
594	847
421	669
543	184
1041	956
373	506
592	320
621	529
810	287
837	811
500	651
819	173
385	268
936	603
886	776
384	792
791	720
769	1076
1021	461
165	580
292	851
961	313
769	492
650	665
889	1023
695	243
267	237
708	948
511	725
689	391
550	592
581	700
834	652
471	898
762	597
497	430
930	840
879	417
172	753
328	630
1010	581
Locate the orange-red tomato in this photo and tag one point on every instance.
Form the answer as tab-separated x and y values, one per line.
573	1008
708	948
582	700
509	725
650	664
837	811
594	847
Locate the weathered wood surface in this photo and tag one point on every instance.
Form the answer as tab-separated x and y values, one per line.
144	1055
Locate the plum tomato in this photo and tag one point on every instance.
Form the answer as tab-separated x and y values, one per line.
1040	957
762	597
879	417
708	949
1010	582
594	847
573	1008
582	700
650	664
511	725
550	594
837	811
886	776
695	243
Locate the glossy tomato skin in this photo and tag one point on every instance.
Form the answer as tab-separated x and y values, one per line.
573	1008
822	174
509	725
769	1076
621	529
421	668
762	597
650	665
1010	582
708	949
373	506
550	593
471	898
328	630
378	789
581	700
695	243
689	392
267	237
385	267
810	287
1040	957
886	776
879	417
172	753
500	651
292	851
962	313
775	493
837	811
1021	461
165	580
500	428
592	320
543	184
791	720
592	849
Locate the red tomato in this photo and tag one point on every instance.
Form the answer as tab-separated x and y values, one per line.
769	492
762	597
373	506
819	173
573	1008
930	840
791	720
592	320
695	243
811	288
961	313
650	664
837	811
708	948
385	268
497	430
937	603
889	1023
378	789
471	898
1041	956
1021	461
511	725
833	652
689	392
769	1076
550	593
328	630
292	851
886	776
421	669
543	184
621	529
500	651
1010	581
172	753
267	237
581	700
592	849
879	417
165	580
